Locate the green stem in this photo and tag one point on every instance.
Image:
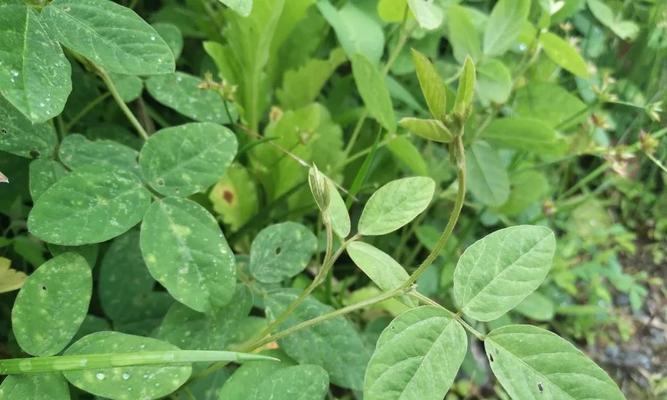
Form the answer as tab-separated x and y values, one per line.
85	111
114	93
457	317
459	155
115	360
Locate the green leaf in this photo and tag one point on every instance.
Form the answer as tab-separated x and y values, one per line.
281	251
494	81
129	87
43	174
234	197
245	383
392	10
462	34
125	287
466	89
35	76
564	54
537	99
172	36
52	305
141	382
10	279
181	92
186	159
528	186
402	148
187	253
89	205
527	134
427	13
430	129
77	152
395	204
334	344
18	135
498	272
626	30
373	91
533	363
383	270
416	357
504	26
89	252
190	329
356	31
487	177
241	7
536	307
110	35
35	387
337	211
308	382
301	86
432	85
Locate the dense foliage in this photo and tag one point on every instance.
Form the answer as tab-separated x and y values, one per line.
340	199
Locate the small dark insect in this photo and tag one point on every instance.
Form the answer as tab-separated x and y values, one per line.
491	357
540	387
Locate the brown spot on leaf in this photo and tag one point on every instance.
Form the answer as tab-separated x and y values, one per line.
228	195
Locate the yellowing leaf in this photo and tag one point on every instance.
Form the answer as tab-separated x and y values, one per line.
10	279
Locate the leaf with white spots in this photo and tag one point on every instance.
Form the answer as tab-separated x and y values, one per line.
281	251
172	36
395	204
416	357
183	93
34	387
186	159
129	87
532	363
187	253
298	382
334	344
89	205
497	272
52	305
43	174
110	35
125	287
126	383
76	152
18	135
87	251
35	76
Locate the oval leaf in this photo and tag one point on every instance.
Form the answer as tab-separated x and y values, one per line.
533	363
427	13
527	134
281	251
337	211
373	91
487	178
76	151
395	204
564	54
183	93
383	270
186	159
145	382
432	85
35	76
504	25
18	135
90	205
34	387
110	35
416	357
498	272
43	174
187	253
430	129
52	304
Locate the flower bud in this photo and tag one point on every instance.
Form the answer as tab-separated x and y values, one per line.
319	187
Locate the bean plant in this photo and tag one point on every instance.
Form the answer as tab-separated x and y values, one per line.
206	256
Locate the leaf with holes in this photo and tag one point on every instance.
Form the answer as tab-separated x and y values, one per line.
34	73
186	159
532	363
498	272
52	305
110	35
416	357
281	251
101	203
18	135
141	382
187	253
395	204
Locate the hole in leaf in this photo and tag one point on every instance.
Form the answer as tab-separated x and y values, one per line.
159	182
34	153
491	357
43	288
278	250
3	131
540	387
